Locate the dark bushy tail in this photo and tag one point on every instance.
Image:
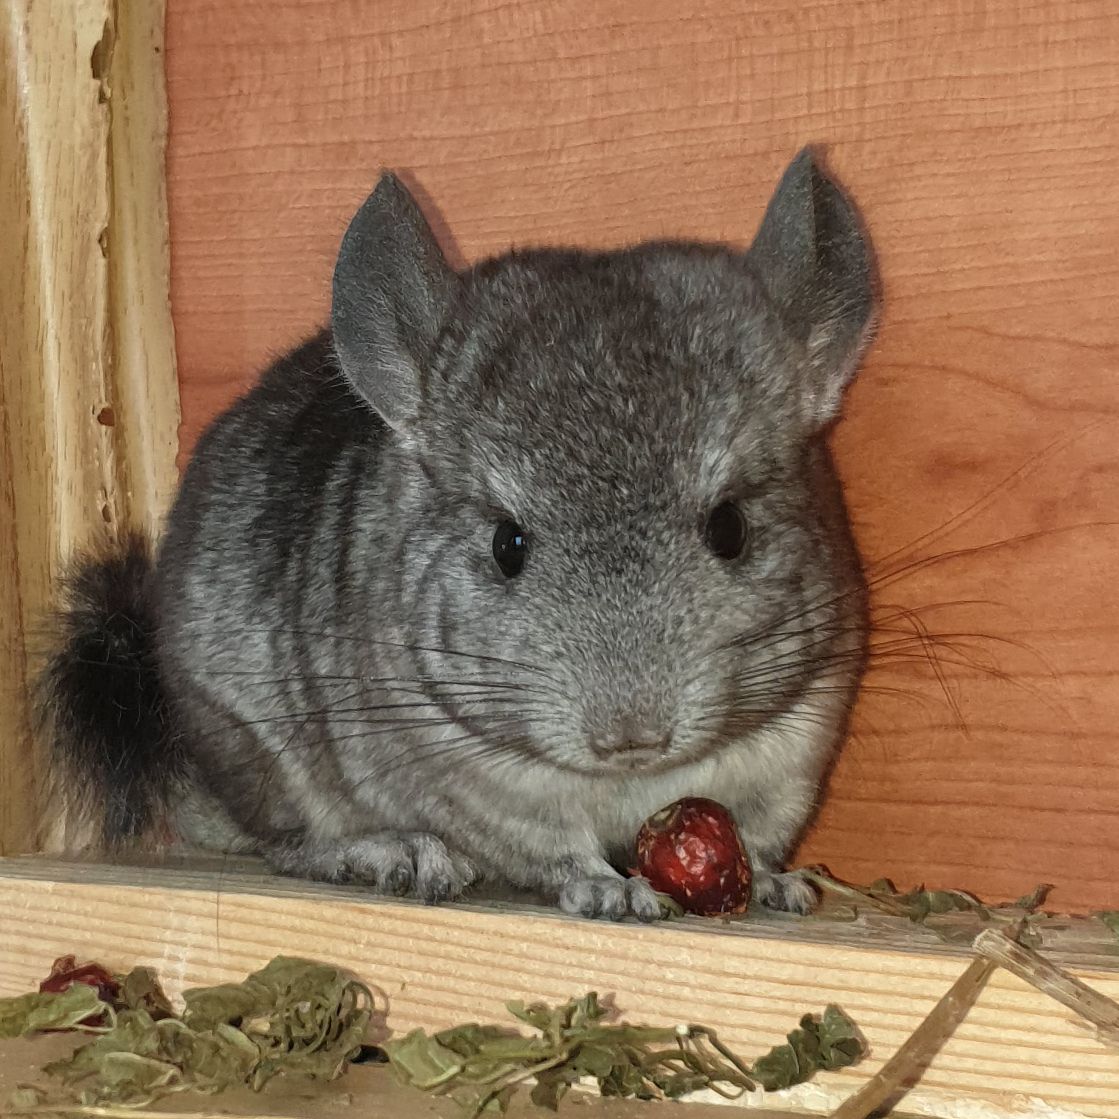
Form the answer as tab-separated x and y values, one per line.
99	700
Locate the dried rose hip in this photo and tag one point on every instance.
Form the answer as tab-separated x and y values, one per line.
65	972
690	850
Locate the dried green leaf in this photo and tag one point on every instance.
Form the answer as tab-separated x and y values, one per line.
537	1015
920	903
283	984
211	1060
830	1042
577	1014
303	1017
682	1083
135	1032
500	1100
627	1081
45	1010
140	990
467	1040
841	1043
780	1067
231	1003
423	1061
1035	898
292	1016
27	1097
478	1101
1110	917
480	1066
551	1087
125	1077
595	1060
671	909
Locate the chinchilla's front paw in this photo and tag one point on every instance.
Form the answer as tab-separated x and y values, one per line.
612	897
786	892
404	864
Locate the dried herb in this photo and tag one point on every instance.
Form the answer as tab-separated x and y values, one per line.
140	990
481	1066
1035	899
830	1042
50	1010
302	1017
921	906
292	1016
1110	918
28	1099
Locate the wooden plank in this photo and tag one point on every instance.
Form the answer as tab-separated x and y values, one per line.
980	142
434	967
145	382
88	390
56	458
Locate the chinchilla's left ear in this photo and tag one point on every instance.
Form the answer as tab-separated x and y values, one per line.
392	292
813	260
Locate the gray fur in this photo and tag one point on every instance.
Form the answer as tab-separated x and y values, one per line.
362	696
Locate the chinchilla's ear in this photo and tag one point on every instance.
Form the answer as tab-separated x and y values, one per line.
392	291
814	262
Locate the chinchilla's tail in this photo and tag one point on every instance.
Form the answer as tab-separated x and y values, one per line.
99	702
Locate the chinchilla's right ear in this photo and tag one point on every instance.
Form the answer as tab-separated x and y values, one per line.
392	292
813	260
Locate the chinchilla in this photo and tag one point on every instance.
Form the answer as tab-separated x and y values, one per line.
473	582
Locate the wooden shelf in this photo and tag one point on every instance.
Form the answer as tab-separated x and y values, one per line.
434	967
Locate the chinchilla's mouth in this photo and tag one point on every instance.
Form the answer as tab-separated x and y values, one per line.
632	763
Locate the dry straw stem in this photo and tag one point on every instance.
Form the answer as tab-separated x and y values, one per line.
994	949
906	1064
1098	1009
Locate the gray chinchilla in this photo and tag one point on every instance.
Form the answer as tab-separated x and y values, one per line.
472	583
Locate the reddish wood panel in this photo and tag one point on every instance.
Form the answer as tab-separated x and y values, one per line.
981	144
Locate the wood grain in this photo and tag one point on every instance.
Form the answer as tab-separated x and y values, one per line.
436	967
88	387
980	141
56	463
145	381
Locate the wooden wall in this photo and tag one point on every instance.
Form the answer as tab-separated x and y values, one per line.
980	139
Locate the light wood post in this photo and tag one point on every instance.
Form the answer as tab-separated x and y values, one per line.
85	335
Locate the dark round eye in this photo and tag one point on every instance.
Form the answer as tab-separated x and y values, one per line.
725	533
509	548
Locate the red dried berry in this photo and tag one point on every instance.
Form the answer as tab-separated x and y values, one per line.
65	972
691	851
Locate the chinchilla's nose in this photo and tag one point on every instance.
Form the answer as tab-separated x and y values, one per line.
630	736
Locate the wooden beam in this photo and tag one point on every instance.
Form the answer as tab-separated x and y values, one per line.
435	967
56	456
145	381
88	395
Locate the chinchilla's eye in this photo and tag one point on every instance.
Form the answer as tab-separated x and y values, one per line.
725	533
509	548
